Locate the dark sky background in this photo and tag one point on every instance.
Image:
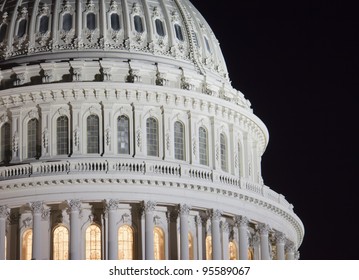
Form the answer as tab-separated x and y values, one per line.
297	62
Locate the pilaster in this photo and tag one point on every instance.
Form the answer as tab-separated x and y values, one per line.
216	216
75	209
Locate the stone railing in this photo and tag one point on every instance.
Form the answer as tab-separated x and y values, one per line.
191	173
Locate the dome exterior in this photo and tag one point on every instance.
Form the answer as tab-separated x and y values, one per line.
118	123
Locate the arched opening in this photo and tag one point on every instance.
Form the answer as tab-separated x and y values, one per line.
62	135
33	139
67	22
208	247
125	243
159	27
203	146
138	24
152	137
91	21
61	243
223	145
232	248
5	151
123	135
26	250
179	140
115	22
93	134
159	244
44	24
93	242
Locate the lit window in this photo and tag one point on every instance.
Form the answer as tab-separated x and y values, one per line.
91	21
223	152
207	44
159	27
152	137
44	24
138	24
125	243
202	145
250	254
115	22
159	243
67	22
178	31
232	247
62	136
33	139
190	247
22	28
26	253
93	134
3	29
93	243
5	151
179	140
61	243
208	247
123	135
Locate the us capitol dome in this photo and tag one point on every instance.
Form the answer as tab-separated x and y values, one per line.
121	137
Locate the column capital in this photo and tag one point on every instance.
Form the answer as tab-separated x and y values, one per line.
4	212
74	205
241	221
289	247
112	204
172	216
263	229
216	214
225	227
149	206
184	209
37	207
280	238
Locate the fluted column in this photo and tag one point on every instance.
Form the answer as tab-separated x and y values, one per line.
4	214
149	242
225	240
38	209
184	212
290	250
242	223
75	209
216	235
199	226
263	232
280	243
112	206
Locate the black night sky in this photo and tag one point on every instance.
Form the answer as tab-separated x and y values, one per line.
297	62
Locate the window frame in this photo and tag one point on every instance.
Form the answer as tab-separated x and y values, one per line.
124	116
156	139
201	147
177	145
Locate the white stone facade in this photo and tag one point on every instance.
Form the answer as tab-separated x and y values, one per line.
132	124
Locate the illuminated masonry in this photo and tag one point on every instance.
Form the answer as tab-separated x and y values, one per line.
122	138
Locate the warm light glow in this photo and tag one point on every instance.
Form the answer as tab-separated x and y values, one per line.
232	247
125	243
27	245
250	254
61	243
190	246
93	243
208	247
159	244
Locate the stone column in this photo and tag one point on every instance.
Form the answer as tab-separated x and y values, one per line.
290	250
184	212
4	214
216	235
149	242
280	243
75	209
112	206
263	232
37	208
242	223
225	240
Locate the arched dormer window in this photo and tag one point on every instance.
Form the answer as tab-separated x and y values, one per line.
5	151
91	21
67	22
93	134
26	250
178	30
115	22
159	27
62	135
152	137
44	24
125	243
138	23
223	145
33	139
123	135
159	243
93	242
203	146
21	30
179	141
61	243
3	30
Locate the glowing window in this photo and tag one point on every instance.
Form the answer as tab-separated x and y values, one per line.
179	33
91	21
61	243
3	29
93	243
152	137
223	144
159	27
93	134
138	24
115	22
250	254
208	247
44	24
190	247
33	139
232	248
125	243
5	150
159	244
22	28
62	136
67	22
123	136
26	252
202	146
179	140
